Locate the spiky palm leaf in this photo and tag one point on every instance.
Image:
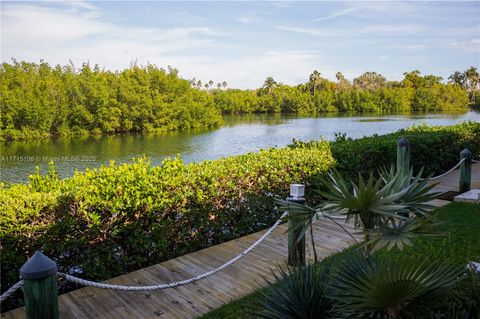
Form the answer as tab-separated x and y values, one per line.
416	192
379	287
401	233
373	196
298	293
380	206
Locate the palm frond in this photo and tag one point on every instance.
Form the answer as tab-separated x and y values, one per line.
302	293
380	287
401	233
381	206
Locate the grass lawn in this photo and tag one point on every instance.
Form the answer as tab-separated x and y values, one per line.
461	245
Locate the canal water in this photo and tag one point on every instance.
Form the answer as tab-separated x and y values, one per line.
240	134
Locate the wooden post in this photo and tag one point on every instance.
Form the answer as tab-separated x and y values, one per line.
39	276
403	156
296	244
465	171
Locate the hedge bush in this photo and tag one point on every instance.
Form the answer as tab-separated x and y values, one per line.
112	220
108	221
435	148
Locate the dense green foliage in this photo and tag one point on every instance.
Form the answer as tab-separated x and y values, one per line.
436	148
112	220
369	92
461	223
470	81
38	100
119	218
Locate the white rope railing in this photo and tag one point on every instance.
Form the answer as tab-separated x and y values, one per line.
447	172
84	282
10	291
475	161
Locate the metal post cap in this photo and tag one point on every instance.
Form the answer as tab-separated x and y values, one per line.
403	142
466	153
38	266
297	190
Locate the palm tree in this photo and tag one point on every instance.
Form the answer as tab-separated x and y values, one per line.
472	79
342	81
458	78
370	81
224	84
269	85
381	206
315	80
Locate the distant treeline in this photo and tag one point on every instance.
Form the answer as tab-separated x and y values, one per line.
370	92
38	100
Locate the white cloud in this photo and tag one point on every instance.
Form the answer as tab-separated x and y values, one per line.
397	29
371	30
308	31
247	19
31	32
411	46
337	14
472	45
58	35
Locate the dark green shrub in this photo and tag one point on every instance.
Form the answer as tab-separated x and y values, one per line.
464	300
302	293
105	222
435	148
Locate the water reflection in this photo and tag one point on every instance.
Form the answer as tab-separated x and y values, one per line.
240	134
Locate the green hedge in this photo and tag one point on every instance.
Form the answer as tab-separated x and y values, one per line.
118	218
123	217
435	148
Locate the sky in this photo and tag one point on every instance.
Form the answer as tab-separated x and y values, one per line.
244	42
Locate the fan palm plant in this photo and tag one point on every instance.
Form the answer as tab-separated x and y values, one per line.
391	209
391	288
302	293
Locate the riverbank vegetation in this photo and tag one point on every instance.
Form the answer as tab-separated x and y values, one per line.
42	101
108	221
370	92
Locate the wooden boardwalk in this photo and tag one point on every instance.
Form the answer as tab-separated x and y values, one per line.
451	183
200	297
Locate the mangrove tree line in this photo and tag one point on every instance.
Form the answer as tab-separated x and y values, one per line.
39	100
